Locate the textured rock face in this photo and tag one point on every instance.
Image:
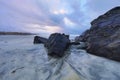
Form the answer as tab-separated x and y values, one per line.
38	40
103	37
111	18
57	44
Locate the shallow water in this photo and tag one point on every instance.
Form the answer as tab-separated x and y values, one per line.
20	59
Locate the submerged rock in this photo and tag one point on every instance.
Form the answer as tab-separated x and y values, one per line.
38	40
103	37
57	44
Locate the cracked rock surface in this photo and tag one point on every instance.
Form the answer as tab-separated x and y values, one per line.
103	37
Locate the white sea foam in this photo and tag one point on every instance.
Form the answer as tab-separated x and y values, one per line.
20	59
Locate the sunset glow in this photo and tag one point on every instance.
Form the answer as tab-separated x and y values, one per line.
61	11
43	29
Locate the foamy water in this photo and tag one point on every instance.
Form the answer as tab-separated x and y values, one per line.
20	59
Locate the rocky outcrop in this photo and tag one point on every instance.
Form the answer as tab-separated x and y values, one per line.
38	40
103	38
57	44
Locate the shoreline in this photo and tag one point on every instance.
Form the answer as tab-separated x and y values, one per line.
16	33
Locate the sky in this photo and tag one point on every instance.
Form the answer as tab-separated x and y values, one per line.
49	16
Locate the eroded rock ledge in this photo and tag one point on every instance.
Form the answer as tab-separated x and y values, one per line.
103	38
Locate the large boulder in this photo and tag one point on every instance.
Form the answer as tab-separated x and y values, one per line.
38	40
57	44
103	37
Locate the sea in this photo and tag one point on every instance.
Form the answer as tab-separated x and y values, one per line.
20	59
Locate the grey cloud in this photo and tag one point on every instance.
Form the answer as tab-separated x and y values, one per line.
15	15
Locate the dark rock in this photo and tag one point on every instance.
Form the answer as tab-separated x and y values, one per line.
82	45
38	40
103	37
57	44
74	43
82	37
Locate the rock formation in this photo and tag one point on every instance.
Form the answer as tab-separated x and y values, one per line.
57	44
38	39
103	38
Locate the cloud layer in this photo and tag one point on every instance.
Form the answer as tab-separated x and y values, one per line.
48	16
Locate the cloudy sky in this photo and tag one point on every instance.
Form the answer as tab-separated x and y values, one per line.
48	16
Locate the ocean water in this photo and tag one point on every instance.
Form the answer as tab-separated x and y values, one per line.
20	59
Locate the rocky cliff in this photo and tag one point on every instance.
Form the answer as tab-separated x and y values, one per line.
103	38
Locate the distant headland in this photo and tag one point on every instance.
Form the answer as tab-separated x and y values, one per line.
16	33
